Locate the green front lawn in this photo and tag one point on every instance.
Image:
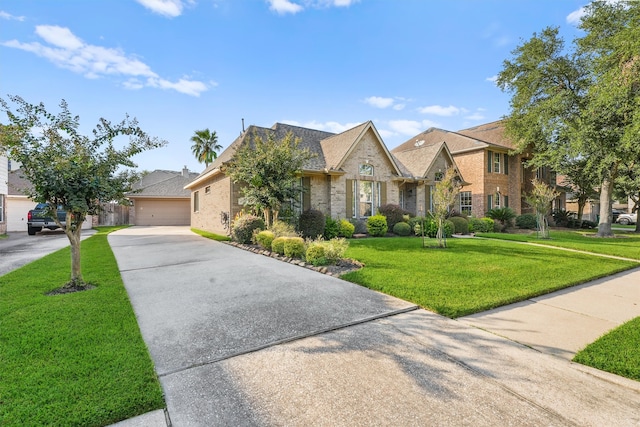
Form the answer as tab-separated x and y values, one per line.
625	244
615	352
76	359
471	275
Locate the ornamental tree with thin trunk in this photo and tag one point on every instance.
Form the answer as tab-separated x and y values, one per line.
68	169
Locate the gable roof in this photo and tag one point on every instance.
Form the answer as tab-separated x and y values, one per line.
418	161
475	138
330	149
17	183
163	184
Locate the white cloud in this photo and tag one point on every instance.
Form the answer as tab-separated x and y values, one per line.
399	107
574	17
8	16
439	110
379	102
282	7
492	79
477	116
67	51
411	127
168	8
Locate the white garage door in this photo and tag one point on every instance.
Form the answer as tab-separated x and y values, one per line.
162	212
17	210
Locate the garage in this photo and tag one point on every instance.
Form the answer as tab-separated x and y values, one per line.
162	212
17	209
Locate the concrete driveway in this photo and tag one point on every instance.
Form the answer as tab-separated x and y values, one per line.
242	339
20	249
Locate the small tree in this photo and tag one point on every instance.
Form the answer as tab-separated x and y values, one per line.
540	200
269	170
444	196
69	169
205	146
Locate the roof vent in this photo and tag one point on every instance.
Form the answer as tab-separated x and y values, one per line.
419	143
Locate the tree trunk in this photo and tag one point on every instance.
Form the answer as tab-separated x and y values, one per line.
73	230
442	242
606	194
581	204
636	210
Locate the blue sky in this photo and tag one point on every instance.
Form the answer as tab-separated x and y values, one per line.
183	65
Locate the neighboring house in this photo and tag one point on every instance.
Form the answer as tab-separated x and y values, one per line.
4	191
18	204
160	198
351	175
483	156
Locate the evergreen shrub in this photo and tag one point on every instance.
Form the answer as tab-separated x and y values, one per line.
527	221
377	225
294	247
311	224
393	213
277	245
264	238
346	229
402	229
243	227
331	228
460	224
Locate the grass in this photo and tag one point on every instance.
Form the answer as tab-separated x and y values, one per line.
615	352
471	275
76	359
211	236
625	245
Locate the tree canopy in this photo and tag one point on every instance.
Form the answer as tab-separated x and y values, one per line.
268	170
68	169
582	103
205	146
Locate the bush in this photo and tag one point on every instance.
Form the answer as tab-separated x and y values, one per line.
360	226
490	224
311	224
402	229
277	245
243	226
393	213
331	228
504	215
346	229
294	247
562	217
316	254
335	249
527	221
460	224
377	225
449	228
476	225
283	229
264	238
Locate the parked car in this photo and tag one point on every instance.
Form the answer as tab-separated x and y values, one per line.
615	213
37	220
626	219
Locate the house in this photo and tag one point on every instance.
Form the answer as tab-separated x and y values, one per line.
350	176
160	198
498	177
4	191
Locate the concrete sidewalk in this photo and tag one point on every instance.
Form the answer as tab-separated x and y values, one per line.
242	339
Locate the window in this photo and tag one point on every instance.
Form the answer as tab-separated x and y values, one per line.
366	169
363	197
196	201
496	201
402	199
207	189
496	162
465	203
438	176
366	198
1	207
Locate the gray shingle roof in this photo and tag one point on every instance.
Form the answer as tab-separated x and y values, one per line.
17	183
418	160
164	184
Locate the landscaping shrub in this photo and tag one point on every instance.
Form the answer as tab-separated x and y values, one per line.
316	254
393	213
331	228
477	225
335	249
346	229
294	247
460	224
490	224
243	226
277	245
360	226
504	215
562	217
377	225
415	224
527	221
264	238
311	224
283	229
449	228
402	229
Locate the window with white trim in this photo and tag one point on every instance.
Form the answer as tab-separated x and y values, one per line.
496	201
497	165
367	197
465	203
366	169
196	201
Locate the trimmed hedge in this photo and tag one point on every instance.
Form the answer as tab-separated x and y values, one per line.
311	224
243	227
346	229
460	224
402	229
377	225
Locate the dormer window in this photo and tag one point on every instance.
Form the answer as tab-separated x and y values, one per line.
366	169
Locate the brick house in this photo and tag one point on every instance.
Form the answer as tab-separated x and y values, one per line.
351	175
483	155
4	191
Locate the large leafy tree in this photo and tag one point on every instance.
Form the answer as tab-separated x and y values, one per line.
583	184
69	169
582	103
268	169
205	146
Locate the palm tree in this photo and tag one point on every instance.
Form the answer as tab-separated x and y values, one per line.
205	145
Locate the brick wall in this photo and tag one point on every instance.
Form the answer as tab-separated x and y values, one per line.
212	204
